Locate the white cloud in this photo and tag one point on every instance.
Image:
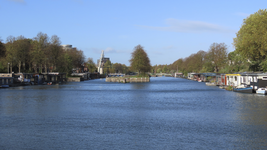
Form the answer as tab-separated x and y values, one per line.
18	1
175	25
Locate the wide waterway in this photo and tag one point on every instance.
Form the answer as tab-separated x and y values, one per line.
167	113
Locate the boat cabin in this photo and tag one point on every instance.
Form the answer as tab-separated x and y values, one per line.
6	80
232	80
208	77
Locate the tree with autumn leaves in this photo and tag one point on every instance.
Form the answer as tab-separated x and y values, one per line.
140	61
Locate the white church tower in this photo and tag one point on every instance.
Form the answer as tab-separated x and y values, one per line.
100	63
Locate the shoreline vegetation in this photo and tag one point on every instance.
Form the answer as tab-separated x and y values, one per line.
39	54
250	52
43	53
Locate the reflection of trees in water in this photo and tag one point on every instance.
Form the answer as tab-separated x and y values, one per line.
139	85
252	108
252	115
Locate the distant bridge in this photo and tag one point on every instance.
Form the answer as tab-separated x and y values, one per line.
162	74
116	75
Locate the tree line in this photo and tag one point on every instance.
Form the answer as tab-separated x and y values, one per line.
110	67
139	63
249	55
40	54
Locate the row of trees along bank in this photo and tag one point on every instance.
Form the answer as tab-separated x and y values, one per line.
249	55
39	54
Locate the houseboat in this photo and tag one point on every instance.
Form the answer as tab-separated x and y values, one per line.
6	80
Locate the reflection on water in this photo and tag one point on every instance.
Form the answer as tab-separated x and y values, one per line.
167	113
139	86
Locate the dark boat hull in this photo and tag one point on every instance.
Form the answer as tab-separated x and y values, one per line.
244	90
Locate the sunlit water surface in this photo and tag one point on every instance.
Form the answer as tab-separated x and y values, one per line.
167	113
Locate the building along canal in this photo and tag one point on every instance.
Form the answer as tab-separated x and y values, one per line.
166	113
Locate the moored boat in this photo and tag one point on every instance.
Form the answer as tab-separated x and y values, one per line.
261	91
210	84
244	90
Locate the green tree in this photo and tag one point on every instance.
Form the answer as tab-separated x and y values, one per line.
39	52
22	46
108	67
11	51
2	57
140	61
217	55
66	64
165	69
2	49
251	39
54	52
159	70
237	63
118	68
90	65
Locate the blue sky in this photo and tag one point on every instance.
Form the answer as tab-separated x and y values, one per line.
167	29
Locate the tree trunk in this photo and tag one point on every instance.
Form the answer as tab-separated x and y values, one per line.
35	68
41	67
24	66
45	69
19	65
30	67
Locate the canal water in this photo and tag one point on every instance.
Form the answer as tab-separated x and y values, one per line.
167	113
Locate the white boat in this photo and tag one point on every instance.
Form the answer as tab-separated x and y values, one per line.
210	84
261	91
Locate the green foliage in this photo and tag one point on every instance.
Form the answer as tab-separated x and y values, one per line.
217	55
140	61
229	88
90	65
159	70
2	50
251	39
165	70
66	65
2	68
108	67
140	75
40	52
263	65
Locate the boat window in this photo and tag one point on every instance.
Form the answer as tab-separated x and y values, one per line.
6	81
264	78
235	78
3	81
